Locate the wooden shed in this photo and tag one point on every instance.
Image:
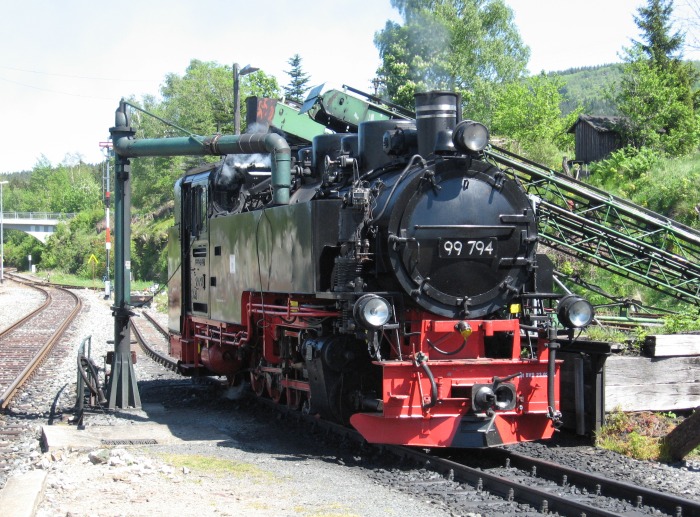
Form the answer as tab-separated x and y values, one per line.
596	137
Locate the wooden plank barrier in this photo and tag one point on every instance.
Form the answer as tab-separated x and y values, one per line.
684	438
652	383
672	345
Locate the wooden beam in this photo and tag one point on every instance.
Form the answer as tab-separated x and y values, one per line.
652	384
684	438
672	345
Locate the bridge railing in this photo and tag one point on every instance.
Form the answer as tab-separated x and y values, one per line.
7	216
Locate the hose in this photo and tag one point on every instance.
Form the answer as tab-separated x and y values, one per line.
396	184
422	361
443	352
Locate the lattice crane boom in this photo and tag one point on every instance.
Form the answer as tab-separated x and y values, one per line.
609	232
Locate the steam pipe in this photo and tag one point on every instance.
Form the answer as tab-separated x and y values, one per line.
275	145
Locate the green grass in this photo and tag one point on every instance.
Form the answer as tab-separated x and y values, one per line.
216	466
608	334
632	436
58	277
638	435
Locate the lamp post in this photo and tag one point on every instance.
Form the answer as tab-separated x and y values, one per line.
2	236
237	74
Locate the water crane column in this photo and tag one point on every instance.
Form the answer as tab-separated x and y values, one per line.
2	236
123	389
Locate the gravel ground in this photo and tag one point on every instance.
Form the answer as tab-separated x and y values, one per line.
263	466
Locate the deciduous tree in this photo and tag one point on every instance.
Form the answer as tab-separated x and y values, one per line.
201	102
529	112
463	45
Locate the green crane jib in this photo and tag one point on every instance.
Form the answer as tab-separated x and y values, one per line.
326	110
343	109
574	217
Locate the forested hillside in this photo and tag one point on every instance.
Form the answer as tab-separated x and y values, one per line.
590	89
593	88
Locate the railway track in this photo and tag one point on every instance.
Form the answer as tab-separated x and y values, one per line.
583	485
153	339
552	487
502	479
25	345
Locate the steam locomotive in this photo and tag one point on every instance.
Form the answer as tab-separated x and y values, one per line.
395	286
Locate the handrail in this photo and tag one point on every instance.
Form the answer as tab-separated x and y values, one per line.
9	216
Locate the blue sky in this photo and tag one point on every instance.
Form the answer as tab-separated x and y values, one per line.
66	64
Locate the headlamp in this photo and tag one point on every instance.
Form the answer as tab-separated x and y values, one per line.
372	311
574	311
470	136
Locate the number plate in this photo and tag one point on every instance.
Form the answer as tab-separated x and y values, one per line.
468	248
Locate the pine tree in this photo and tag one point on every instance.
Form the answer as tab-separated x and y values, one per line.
657	94
664	49
298	80
659	44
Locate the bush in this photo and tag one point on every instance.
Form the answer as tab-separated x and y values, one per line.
687	319
623	168
637	435
69	249
666	186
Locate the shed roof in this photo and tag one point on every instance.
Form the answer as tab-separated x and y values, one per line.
601	123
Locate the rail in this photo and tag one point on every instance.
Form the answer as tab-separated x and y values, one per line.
599	484
43	351
160	358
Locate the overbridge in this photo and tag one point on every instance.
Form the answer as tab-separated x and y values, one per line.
37	224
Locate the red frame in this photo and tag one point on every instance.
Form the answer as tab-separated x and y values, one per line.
406	388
